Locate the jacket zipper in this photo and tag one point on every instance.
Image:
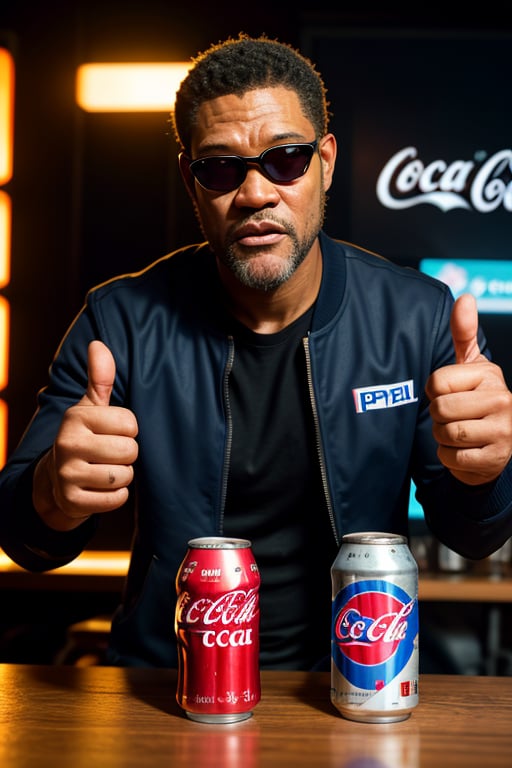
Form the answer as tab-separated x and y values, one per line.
319	446
229	431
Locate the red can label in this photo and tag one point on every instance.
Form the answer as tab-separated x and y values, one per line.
217	630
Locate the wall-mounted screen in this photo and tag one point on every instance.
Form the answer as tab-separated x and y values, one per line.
488	280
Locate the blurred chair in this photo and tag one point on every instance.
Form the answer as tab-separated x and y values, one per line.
86	642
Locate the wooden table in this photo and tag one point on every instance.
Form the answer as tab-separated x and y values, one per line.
105	717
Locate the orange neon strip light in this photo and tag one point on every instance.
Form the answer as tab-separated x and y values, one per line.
128	87
89	563
6	115
4	342
5	239
3	432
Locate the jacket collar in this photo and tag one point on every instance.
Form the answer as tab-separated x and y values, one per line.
332	287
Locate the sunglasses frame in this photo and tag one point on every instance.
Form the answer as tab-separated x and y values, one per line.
245	162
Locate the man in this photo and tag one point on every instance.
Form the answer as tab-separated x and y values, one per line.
271	383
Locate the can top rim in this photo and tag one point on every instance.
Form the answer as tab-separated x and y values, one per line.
218	542
374	537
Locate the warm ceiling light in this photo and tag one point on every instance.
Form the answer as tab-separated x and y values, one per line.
129	87
5	238
6	114
4	342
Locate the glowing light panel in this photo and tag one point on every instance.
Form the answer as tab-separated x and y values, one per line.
119	87
5	238
4	342
3	432
6	114
6	168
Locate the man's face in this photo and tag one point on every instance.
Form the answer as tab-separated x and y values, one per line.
262	230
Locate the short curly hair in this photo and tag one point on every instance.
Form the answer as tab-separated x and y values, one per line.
236	66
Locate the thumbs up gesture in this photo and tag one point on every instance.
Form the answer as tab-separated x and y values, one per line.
471	406
101	373
90	466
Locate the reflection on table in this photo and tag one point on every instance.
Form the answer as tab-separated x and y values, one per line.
107	717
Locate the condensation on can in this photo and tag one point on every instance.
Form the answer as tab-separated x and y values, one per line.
374	633
217	630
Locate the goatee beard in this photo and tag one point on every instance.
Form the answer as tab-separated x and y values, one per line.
275	274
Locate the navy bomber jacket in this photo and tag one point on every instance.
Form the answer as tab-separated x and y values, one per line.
377	333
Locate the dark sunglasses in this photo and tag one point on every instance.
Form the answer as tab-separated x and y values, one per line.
281	164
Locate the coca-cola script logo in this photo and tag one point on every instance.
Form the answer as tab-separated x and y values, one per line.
374	627
236	607
228	620
482	184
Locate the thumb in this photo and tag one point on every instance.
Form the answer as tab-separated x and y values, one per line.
464	327
101	368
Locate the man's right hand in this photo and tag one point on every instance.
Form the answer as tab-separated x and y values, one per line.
90	466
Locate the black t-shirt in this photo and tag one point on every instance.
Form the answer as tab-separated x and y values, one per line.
275	497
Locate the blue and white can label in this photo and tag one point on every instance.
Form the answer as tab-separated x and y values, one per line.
375	633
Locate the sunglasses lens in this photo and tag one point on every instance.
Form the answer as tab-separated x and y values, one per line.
220	174
227	172
287	163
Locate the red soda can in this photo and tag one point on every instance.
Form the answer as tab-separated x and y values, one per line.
217	630
374	648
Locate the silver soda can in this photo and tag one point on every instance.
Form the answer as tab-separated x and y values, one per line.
374	639
217	630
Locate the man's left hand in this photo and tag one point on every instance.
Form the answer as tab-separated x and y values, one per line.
471	405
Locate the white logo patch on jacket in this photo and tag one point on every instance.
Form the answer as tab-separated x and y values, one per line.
384	396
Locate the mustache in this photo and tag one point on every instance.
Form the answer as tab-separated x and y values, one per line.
254	218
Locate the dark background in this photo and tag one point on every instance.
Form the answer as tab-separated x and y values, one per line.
95	195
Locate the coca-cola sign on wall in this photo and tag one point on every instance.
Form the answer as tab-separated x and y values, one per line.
424	132
482	184
423	124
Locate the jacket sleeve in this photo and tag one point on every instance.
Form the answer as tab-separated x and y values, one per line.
23	535
474	521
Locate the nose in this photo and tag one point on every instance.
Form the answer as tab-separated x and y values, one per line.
256	191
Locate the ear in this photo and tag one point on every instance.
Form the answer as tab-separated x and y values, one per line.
184	163
328	150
